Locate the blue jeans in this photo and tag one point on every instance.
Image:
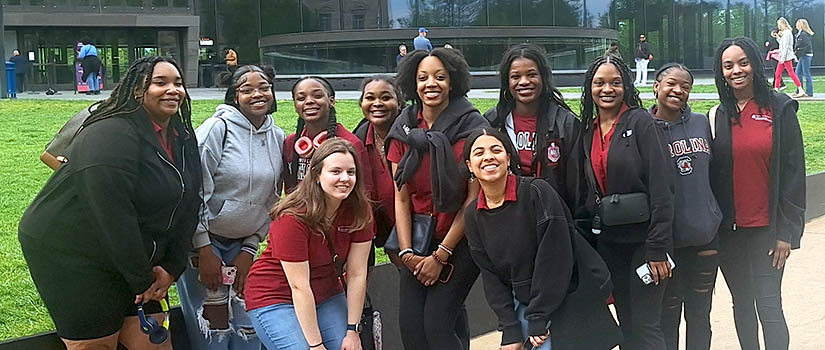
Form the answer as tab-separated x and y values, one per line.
803	70
279	328
240	335
93	82
520	314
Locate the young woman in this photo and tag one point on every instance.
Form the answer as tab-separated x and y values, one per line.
424	146
696	214
805	53
786	56
240	148
528	272
541	126
758	177
293	293
624	160
380	103
110	229
314	100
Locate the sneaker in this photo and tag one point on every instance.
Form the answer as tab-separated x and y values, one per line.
781	87
97	92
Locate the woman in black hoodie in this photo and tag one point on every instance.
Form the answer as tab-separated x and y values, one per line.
532	112
545	283
758	177
424	146
629	197
696	216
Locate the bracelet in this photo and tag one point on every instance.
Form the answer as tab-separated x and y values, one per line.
437	259
316	345
448	250
405	252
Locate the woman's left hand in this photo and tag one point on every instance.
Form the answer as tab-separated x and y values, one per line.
427	271
243	262
538	340
351	341
780	254
159	288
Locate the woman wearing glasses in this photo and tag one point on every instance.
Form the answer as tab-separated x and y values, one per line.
241	151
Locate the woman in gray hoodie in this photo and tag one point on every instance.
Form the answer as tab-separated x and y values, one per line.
241	150
696	214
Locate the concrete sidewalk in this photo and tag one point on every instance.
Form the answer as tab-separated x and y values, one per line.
803	295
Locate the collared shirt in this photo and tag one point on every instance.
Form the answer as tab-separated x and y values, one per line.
752	151
381	175
600	147
510	190
165	143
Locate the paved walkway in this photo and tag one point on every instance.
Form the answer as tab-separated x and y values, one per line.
803	292
217	94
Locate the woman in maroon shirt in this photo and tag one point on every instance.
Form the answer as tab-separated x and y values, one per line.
758	178
293	293
425	145
381	103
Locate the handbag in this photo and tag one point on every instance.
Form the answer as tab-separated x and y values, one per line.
371	334
625	208
423	226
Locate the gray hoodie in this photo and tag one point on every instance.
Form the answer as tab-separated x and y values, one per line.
241	168
696	215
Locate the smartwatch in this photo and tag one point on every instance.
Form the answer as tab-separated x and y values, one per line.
354	327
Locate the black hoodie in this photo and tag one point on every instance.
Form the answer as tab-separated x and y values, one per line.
696	215
787	169
456	122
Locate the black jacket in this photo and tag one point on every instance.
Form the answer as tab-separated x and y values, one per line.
803	45
560	127
787	192
120	202
529	249
636	162
643	50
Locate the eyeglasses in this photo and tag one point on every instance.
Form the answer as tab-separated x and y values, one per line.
248	90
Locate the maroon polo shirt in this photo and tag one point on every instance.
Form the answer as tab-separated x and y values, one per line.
752	150
381	175
510	190
168	143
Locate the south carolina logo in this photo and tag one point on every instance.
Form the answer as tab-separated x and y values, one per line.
553	152
685	165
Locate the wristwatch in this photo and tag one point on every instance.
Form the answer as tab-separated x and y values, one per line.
355	327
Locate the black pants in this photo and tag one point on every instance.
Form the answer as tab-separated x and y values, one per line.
431	317
755	286
20	82
638	306
691	286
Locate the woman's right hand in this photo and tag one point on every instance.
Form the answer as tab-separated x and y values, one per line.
411	261
209	268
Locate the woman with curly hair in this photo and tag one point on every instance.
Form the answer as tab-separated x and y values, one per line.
424	146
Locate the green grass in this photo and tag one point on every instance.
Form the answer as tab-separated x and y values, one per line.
27	125
819	86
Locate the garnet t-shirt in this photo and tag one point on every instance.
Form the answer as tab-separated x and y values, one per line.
291	240
420	185
525	129
752	149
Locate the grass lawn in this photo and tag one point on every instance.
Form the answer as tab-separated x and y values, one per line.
27	125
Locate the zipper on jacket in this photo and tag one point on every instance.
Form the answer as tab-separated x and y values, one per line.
154	250
183	162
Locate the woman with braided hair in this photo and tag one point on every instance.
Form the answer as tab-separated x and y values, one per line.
110	230
314	100
626	171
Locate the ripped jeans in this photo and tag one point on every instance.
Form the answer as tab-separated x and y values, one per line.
240	335
692	286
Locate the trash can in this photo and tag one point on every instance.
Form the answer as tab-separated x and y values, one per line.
10	83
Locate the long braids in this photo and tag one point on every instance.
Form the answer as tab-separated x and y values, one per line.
332	123
762	92
123	100
588	106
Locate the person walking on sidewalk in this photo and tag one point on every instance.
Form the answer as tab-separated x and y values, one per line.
758	178
643	57
805	53
786	56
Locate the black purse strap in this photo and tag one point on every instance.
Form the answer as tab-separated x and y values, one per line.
339	265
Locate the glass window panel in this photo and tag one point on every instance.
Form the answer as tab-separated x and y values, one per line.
180	3
599	14
321	15
238	29
435	13
280	16
503	13
361	14
400	13
568	12
160	3
540	12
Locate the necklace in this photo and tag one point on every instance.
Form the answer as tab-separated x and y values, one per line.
742	105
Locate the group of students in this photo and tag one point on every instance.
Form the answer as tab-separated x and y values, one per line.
792	48
555	211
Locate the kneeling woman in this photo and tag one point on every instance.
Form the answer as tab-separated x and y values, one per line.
293	293
528	272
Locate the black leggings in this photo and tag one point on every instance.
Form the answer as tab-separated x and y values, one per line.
431	317
755	286
638	306
691	286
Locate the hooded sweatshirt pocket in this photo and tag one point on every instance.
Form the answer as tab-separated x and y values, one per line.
238	219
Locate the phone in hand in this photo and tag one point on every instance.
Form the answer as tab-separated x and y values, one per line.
646	275
228	274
